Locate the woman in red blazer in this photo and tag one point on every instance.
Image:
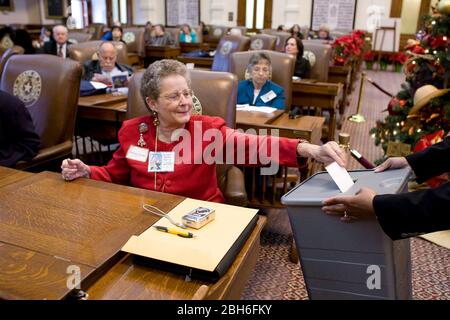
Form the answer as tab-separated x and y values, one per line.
172	151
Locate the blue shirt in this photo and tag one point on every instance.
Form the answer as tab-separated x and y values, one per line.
246	94
193	37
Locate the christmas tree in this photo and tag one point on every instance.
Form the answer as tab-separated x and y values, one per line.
428	63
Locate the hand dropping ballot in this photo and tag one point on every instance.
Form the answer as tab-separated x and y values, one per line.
340	176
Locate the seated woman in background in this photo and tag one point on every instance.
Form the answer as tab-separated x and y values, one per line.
296	31
117	33
324	33
294	46
259	90
187	35
167	93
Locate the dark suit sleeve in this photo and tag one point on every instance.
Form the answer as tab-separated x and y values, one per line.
413	213
432	161
18	126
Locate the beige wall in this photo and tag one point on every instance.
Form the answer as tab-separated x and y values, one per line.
26	12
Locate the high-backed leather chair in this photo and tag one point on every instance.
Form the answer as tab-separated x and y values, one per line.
319	55
175	33
217	93
96	29
263	42
214	35
78	37
49	86
134	37
198	30
241	29
282	69
282	37
85	51
8	54
227	45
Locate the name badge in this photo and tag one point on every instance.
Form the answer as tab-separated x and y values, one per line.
137	153
161	161
268	96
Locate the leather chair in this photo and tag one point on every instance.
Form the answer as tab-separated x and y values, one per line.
214	35
198	30
282	37
96	29
263	42
321	53
227	45
282	69
53	114
175	33
238	29
134	37
78	37
217	93
85	51
8	54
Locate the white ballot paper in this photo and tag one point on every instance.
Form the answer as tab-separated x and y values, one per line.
340	176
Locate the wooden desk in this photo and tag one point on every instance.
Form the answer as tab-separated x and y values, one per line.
320	95
198	62
8	175
107	107
265	191
341	74
47	224
305	127
153	53
188	47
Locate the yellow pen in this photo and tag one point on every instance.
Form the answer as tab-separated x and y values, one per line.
183	234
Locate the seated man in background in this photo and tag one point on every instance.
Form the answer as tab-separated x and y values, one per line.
259	90
160	37
18	138
103	69
58	44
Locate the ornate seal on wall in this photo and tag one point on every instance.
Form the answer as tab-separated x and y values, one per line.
196	106
28	87
257	44
226	48
129	37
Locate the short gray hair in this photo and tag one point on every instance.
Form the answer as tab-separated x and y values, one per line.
60	26
156	72
257	58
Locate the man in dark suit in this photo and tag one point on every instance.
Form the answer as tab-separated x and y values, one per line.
18	139
408	214
58	45
106	66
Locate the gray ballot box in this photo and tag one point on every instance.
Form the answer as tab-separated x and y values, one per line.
354	260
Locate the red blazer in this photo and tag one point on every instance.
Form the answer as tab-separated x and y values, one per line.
197	181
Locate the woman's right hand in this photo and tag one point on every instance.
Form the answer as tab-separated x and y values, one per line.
74	169
392	163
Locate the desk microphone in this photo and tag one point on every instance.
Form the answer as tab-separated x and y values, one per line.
294	112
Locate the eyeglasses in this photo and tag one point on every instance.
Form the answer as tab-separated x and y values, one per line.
176	96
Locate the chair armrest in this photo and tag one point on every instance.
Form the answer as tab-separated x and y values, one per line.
47	154
234	192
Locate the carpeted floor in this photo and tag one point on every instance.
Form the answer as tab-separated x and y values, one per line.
276	277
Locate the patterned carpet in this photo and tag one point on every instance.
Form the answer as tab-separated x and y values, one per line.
276	278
